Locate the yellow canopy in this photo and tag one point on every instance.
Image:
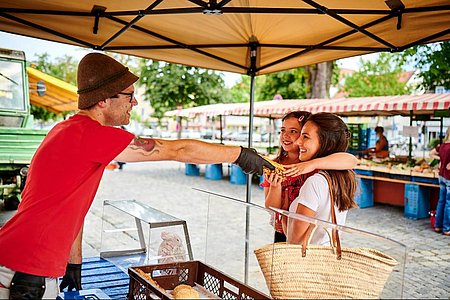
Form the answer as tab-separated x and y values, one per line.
242	36
57	96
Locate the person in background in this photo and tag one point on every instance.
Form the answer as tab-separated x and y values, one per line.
281	193
381	149
322	135
42	241
442	221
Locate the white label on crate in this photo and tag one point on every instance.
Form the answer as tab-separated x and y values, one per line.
411	131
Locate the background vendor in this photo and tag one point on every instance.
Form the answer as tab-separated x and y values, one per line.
381	149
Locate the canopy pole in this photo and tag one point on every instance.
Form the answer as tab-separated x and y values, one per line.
250	134
221	129
410	138
271	125
252	73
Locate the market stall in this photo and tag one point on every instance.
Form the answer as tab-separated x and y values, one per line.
398	180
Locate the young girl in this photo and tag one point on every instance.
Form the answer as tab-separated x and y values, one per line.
280	194
323	135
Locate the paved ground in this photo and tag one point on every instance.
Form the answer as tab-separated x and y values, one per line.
216	224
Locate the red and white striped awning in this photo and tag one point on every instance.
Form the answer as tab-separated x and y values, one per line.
223	109
277	108
385	105
362	106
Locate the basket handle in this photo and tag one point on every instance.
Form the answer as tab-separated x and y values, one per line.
335	241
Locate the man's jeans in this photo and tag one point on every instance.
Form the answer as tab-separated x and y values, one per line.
443	206
6	276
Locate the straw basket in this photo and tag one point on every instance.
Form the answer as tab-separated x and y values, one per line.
359	273
317	272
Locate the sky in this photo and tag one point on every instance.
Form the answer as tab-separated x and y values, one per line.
32	47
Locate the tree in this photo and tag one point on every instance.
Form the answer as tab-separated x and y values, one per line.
240	92
379	78
306	82
64	68
169	86
433	61
319	80
289	84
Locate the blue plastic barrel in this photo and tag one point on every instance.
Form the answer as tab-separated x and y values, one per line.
192	170
364	197
213	172
237	176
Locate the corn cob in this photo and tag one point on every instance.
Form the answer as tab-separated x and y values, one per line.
279	168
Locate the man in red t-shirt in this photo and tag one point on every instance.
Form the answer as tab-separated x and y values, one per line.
42	241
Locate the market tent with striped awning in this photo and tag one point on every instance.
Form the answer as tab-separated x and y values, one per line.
218	109
405	105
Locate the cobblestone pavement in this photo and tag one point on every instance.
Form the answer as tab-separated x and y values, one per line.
164	186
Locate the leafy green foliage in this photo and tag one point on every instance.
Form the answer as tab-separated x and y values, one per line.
240	92
289	84
41	114
64	68
379	78
433	61
168	86
433	143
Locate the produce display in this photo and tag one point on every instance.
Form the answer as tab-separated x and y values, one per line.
399	165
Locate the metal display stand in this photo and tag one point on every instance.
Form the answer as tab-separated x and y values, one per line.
149	215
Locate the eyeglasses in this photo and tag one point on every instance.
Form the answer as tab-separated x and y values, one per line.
126	94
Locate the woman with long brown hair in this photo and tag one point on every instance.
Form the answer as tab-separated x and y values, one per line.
322	135
280	192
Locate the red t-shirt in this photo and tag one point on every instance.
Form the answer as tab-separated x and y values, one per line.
62	182
444	157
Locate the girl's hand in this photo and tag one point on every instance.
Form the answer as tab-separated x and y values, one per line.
274	180
299	168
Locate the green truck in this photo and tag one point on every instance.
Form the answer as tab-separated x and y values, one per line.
18	139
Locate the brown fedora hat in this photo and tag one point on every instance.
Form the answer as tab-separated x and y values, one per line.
100	77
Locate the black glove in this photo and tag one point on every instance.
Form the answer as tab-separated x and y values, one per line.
250	162
72	278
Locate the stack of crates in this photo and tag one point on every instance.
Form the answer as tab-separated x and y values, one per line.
417	201
371	137
361	137
355	140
